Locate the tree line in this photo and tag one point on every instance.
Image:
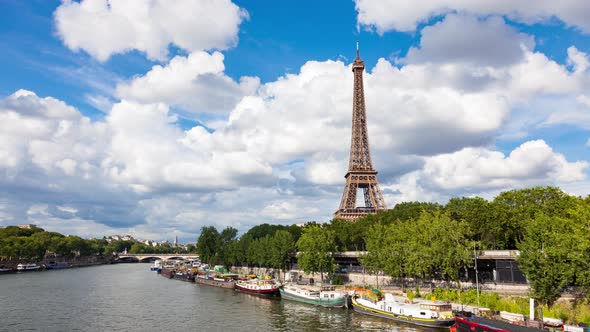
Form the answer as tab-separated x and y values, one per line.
422	240
35	244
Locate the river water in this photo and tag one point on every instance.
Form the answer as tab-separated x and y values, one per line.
130	297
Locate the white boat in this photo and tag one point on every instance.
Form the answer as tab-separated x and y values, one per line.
427	313
156	265
27	267
325	296
4	269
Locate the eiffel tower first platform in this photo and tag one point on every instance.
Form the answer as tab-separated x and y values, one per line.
361	174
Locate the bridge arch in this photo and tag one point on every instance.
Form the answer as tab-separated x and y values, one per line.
144	258
175	258
129	259
148	259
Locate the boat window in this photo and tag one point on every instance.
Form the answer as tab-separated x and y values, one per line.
422	313
388	308
332	295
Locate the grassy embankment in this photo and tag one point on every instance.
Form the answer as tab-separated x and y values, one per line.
568	311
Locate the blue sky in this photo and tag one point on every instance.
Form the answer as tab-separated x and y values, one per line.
245	117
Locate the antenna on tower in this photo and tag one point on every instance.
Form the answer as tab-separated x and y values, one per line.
357	49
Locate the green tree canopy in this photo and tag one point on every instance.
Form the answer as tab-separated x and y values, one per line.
282	246
226	250
208	244
548	256
316	246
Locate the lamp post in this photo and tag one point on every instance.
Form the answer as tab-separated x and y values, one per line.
476	276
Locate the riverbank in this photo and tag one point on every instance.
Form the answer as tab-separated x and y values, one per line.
386	282
80	261
496	297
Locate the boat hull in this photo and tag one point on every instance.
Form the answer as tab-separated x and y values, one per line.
215	282
184	277
427	322
264	292
167	273
498	325
57	266
331	303
28	268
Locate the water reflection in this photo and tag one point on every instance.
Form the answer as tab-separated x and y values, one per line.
128	297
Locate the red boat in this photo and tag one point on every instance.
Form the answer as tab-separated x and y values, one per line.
477	323
256	286
464	325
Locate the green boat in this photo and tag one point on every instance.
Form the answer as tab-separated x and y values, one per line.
325	296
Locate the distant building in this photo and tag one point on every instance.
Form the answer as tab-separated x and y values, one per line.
150	243
120	238
27	226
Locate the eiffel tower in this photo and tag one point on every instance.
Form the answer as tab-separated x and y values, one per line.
361	174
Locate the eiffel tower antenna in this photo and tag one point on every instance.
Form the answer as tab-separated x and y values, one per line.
361	174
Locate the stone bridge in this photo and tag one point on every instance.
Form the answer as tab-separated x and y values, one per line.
142	258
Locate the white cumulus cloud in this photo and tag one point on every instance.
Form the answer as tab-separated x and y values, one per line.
195	82
468	39
386	15
106	27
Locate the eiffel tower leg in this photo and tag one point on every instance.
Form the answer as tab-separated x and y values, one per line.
349	198
377	196
369	199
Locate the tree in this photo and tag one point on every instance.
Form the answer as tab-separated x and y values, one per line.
546	256
316	246
580	214
118	247
436	244
138	248
226	240
409	211
349	235
514	209
282	246
191	248
421	262
375	259
258	252
478	214
208	244
450	245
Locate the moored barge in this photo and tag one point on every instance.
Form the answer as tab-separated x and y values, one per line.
258	287
428	314
325	296
226	281
184	276
168	273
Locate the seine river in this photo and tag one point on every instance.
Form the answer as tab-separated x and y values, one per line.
129	297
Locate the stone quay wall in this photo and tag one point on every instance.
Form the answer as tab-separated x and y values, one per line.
385	282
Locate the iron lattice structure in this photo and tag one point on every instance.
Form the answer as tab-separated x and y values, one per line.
361	174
